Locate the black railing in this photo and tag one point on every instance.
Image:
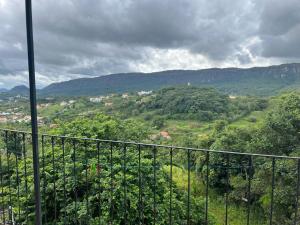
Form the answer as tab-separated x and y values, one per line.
92	181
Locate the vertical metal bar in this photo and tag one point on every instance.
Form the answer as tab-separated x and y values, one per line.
140	186
25	175
124	184
44	179
34	125
189	186
54	179
111	183
86	180
154	187
171	186
207	186
272	191
99	180
8	170
17	176
249	189
227	189
64	178
75	181
297	194
2	189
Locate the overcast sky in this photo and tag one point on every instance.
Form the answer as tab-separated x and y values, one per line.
80	38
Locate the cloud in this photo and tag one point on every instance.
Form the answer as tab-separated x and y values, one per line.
76	38
280	29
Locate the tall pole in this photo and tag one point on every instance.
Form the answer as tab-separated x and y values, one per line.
33	108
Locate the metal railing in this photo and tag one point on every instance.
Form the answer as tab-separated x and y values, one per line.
92	181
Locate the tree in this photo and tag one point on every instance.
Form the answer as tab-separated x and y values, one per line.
93	181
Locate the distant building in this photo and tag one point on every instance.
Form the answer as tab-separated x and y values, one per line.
141	93
165	134
63	103
97	99
125	95
40	120
3	119
108	104
40	106
15	119
26	119
4	113
53	125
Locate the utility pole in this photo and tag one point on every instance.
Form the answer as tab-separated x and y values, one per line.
33	108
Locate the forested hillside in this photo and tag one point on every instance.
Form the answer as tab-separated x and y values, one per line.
182	116
203	104
258	80
277	132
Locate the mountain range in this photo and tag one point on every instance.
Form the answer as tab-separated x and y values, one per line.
239	81
3	90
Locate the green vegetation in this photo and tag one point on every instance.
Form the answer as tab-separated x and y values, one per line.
188	103
237	213
202	104
278	134
185	116
70	198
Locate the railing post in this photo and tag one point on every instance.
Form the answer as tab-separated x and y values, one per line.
34	127
272	191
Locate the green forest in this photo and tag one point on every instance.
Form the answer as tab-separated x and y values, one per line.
192	117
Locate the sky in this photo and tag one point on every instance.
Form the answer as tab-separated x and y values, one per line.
84	38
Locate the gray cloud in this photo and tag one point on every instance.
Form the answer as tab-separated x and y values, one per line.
280	29
76	38
3	69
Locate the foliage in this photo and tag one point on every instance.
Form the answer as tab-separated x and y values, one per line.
203	104
194	117
278	134
158	123
103	127
85	183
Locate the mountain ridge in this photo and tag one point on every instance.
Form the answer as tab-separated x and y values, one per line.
19	89
241	81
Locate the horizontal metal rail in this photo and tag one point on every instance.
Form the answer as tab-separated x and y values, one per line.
163	146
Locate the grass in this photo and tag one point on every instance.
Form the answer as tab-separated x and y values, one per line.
253	119
181	126
236	214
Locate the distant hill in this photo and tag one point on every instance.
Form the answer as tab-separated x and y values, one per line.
253	81
2	90
257	80
19	90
